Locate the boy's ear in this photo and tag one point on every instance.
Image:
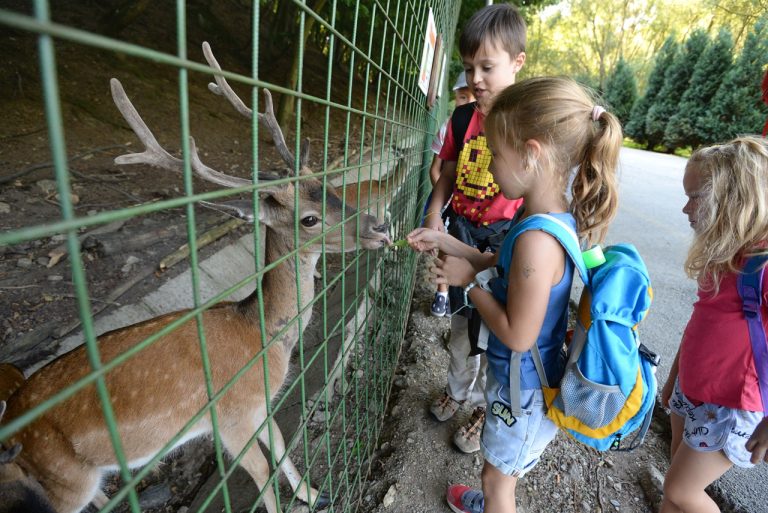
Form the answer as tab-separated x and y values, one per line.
519	61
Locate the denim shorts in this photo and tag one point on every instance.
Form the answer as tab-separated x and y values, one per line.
514	444
709	427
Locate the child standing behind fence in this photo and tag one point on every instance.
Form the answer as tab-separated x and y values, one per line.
492	47
462	95
713	388
538	130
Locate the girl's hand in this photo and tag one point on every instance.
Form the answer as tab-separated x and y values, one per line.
758	443
666	392
454	271
425	239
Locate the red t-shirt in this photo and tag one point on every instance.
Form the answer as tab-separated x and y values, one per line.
475	195
716	363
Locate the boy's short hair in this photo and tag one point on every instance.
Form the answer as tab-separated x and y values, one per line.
499	23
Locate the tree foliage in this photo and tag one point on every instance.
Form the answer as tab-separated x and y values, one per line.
676	80
685	127
737	107
635	128
621	91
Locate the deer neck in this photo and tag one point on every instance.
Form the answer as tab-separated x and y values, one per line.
282	290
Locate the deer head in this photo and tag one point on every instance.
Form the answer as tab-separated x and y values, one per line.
278	207
19	493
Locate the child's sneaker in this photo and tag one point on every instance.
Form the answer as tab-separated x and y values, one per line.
467	437
463	499
444	407
440	304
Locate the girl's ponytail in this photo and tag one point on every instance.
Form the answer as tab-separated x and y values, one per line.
562	115
595	188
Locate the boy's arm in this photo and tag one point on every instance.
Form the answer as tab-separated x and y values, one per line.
434	169
441	193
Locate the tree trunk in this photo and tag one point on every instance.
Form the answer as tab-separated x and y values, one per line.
287	101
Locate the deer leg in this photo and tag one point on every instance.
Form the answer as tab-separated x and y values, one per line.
71	492
309	495
234	438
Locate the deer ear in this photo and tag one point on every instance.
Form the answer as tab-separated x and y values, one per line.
304	158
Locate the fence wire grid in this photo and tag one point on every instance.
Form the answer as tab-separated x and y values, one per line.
352	71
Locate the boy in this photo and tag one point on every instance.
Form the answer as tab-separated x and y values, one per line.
462	95
492	47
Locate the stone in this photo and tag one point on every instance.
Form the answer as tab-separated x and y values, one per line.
389	497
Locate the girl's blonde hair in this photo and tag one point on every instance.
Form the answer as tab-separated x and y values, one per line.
558	113
732	216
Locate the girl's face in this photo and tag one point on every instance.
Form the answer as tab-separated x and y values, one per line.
692	183
508	171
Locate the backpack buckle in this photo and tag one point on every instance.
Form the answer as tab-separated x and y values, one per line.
750	301
649	355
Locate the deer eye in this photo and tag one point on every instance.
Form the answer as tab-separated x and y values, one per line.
309	221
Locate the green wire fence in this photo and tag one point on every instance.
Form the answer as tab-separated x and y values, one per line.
350	76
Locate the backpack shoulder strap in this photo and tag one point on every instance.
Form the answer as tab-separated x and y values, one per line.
749	284
557	229
460	119
570	241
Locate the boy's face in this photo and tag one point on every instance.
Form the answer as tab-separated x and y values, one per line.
463	96
490	71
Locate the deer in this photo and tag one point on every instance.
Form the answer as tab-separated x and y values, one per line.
67	449
368	194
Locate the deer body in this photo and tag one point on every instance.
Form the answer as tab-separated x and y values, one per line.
68	449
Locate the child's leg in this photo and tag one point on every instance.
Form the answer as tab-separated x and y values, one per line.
677	423
462	368
690	473
498	490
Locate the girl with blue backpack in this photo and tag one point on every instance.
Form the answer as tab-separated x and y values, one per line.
717	389
539	131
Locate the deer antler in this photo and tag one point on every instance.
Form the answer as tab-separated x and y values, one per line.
222	88
154	154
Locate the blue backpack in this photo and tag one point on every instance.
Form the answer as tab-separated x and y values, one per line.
608	389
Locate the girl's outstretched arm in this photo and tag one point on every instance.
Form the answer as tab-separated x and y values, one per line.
758	442
537	264
424	239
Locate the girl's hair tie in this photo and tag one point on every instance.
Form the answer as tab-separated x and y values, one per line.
597	111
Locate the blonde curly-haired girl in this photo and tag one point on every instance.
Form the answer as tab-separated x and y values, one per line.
712	389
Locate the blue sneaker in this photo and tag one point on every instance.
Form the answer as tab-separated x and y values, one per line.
463	499
440	305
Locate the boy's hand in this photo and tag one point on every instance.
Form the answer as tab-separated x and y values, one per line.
434	221
425	239
758	443
454	271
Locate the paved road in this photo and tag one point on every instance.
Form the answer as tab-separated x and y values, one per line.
650	216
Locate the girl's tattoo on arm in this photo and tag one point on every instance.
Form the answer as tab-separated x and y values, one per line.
528	270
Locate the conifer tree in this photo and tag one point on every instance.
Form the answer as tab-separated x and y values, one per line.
621	91
737	107
635	128
676	80
684	128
